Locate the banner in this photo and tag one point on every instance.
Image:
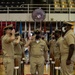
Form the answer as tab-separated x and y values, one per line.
56	26
20	32
50	28
29	32
25	30
44	27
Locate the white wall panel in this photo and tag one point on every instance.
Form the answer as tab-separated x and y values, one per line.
28	17
70	0
56	0
63	0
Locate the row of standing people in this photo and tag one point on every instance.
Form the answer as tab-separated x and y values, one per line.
12	48
62	49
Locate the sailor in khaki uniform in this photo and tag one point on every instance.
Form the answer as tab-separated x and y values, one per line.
67	51
18	52
57	48
8	49
2	69
37	48
51	46
22	43
43	38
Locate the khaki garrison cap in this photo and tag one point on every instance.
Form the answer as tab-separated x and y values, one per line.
37	31
8	27
69	23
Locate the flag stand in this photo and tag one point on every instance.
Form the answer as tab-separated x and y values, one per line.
16	70
53	65
16	67
22	66
50	66
57	70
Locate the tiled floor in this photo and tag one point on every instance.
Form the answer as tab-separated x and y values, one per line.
46	71
27	70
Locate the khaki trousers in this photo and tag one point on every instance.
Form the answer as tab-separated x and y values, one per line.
37	64
66	69
9	65
2	69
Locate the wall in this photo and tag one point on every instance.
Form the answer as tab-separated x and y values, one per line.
28	17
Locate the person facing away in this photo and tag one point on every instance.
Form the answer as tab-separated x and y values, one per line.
52	46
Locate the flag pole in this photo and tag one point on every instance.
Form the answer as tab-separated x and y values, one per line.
25	32
34	24
1	24
44	27
29	31
56	26
50	29
20	29
40	25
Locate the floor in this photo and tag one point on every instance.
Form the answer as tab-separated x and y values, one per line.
27	70
46	71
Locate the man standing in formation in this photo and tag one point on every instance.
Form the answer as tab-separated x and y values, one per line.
37	49
8	49
52	46
12	49
57	55
18	52
67	51
62	47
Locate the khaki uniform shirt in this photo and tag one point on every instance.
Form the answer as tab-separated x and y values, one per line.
7	46
37	49
46	42
22	45
52	45
68	39
58	46
17	49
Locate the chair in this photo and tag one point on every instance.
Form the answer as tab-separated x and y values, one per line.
72	6
57	6
64	6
